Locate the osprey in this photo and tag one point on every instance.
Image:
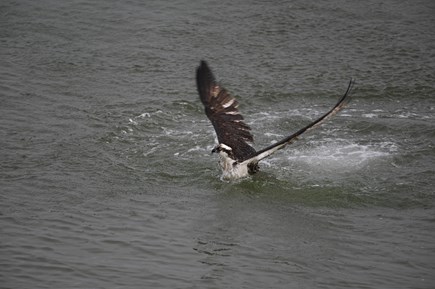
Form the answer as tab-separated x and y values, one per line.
239	159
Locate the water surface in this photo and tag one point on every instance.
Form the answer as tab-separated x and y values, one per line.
106	175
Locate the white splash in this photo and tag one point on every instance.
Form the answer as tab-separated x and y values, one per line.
341	157
144	115
370	115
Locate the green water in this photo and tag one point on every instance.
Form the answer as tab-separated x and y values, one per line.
107	180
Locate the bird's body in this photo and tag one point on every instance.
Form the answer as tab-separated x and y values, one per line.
231	169
238	159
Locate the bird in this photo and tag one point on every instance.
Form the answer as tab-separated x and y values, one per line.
238	159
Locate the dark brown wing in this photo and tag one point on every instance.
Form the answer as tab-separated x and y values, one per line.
261	154
221	109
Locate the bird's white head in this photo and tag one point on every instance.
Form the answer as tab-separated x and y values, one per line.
231	168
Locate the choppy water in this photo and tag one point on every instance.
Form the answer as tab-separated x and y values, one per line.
106	175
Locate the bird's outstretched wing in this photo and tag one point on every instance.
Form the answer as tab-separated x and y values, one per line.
221	109
290	139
